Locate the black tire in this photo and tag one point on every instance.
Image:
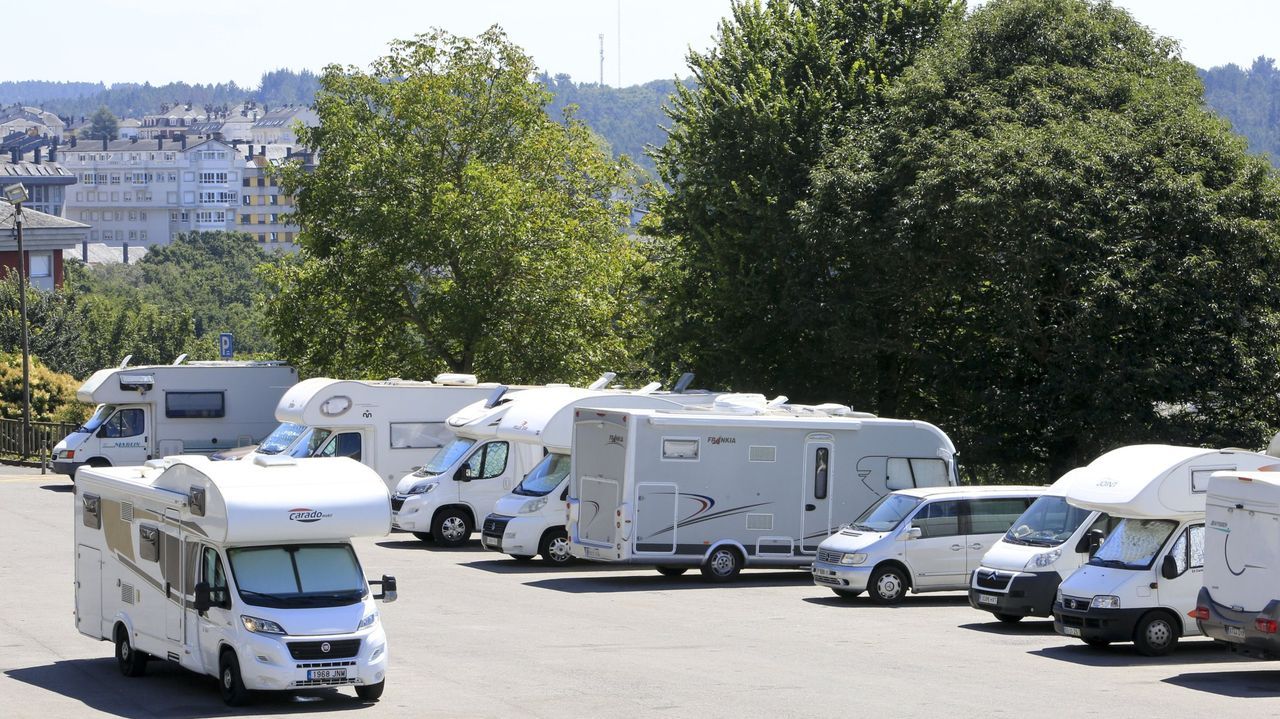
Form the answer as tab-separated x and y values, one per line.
847	593
423	536
722	565
1098	643
887	586
1009	618
554	547
1156	634
671	571
370	692
230	684
132	662
451	527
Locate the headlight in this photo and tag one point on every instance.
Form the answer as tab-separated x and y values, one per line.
533	505
1043	559
261	626
368	621
1058	599
423	488
1105	601
854	558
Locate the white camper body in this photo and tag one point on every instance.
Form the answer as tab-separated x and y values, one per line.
530	520
161	410
1239	604
722	491
239	570
393	426
1143	580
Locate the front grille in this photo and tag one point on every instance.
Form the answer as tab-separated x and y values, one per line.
991	579
821	579
337	649
1075	603
326	665
325	682
396	504
495	525
827	555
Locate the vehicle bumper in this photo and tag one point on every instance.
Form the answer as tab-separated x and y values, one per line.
1111	625
1023	594
66	467
266	663
512	535
843	577
1238	630
409	512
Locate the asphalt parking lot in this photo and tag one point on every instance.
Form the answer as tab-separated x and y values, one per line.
476	635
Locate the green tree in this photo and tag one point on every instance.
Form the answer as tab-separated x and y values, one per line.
453	225
103	125
744	301
1047	245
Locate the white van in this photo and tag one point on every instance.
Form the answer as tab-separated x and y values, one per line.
1144	579
925	540
183	408
1239	603
1019	576
239	570
393	426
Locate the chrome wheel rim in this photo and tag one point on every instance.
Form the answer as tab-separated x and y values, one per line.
124	649
452	528
722	562
889	586
1159	633
559	549
226	678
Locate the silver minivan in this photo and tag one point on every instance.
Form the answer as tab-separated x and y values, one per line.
924	540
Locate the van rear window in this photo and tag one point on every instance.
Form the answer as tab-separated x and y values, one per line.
194	405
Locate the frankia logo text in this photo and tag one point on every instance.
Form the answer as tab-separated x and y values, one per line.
307	516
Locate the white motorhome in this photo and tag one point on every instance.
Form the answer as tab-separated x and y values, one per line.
1019	575
926	540
1239	603
530	520
721	491
393	426
220	567
155	411
1143	580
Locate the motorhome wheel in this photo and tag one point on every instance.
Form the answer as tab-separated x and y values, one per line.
555	547
846	593
452	527
370	692
1156	635
887	585
132	662
230	684
722	565
671	571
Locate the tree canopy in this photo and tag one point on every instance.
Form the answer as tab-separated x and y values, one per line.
103	125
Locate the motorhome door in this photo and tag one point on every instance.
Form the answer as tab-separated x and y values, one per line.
171	570
125	438
819	461
89	591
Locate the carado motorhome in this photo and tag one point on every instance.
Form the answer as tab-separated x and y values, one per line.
721	490
1239	603
393	426
220	567
1019	575
530	520
155	411
1145	577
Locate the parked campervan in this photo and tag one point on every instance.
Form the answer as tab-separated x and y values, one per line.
393	426
1143	580
1239	603
925	540
239	570
1019	576
530	519
161	410
736	486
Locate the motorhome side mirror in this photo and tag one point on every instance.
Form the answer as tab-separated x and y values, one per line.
1169	567
1090	541
915	533
388	586
202	600
461	475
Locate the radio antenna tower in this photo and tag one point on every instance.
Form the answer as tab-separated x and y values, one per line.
619	43
602	59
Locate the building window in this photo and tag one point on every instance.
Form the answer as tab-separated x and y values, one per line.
41	264
87	178
262	238
274	237
143	215
262	182
185	215
133	215
142	235
128	197
213	178
115	179
108	235
173	217
213	155
275	199
170	157
133	235
262	219
247	200
247	182
244	219
173	176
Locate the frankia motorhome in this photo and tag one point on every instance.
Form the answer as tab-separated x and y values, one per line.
393	426
220	567
1019	576
530	520
1239	604
1143	580
722	491
161	410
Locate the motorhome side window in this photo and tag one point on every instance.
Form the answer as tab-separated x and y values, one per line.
938	519
680	448
124	423
916	472
194	405
211	573
488	462
419	435
346	444
92	511
148	543
1188	551
821	458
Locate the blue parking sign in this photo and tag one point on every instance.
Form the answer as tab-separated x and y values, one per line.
226	345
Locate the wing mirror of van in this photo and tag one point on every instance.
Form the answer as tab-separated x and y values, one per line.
203	599
461	475
1169	567
388	586
915	533
1090	541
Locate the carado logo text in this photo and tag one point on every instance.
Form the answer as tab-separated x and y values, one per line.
302	514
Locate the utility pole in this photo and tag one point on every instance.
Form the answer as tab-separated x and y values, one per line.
17	194
619	44
602	59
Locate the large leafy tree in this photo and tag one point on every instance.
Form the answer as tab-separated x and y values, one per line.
745	294
451	224
1049	246
103	125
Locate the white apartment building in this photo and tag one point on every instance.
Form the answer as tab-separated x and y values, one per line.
276	126
143	192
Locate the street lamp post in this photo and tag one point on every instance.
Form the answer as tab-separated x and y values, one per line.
17	194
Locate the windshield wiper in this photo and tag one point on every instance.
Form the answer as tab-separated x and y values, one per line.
267	595
1117	563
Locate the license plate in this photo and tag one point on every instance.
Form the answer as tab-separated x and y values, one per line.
491	542
987	599
1236	633
1071	631
325	674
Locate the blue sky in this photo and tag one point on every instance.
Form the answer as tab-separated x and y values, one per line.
145	40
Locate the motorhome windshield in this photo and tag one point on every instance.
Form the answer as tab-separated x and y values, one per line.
1134	543
445	458
306	575
1048	522
280	439
544	478
886	514
99	416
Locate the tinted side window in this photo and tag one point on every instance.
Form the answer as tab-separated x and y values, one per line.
994	516
939	519
346	444
194	405
820	472
124	423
